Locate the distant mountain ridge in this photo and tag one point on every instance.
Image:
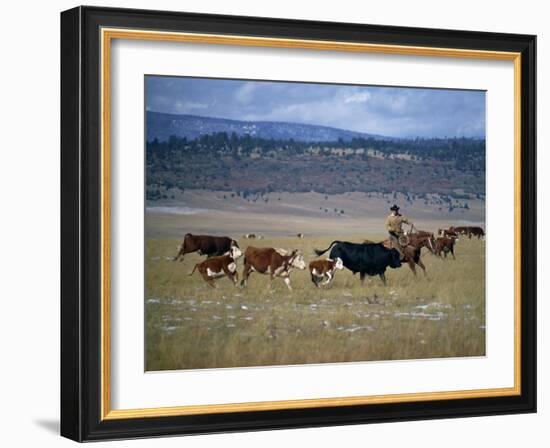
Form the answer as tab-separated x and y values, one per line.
161	126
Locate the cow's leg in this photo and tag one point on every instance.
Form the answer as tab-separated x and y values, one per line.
208	279
180	253
246	273
453	252
233	276
272	268
315	280
287	283
362	276
329	278
383	277
412	266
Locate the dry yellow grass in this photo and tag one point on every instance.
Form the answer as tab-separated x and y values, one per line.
189	325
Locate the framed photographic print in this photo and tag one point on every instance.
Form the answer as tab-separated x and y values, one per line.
275	224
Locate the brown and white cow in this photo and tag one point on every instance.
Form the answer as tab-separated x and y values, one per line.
216	267
210	246
275	262
445	244
324	269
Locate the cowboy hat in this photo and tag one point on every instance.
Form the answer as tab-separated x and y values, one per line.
394	208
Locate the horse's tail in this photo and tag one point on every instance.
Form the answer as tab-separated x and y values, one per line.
193	271
321	252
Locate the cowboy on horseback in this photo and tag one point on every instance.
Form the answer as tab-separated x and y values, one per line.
394	226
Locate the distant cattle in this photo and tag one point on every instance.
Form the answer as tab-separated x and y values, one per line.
216	267
475	231
447	232
275	262
300	235
252	236
367	259
210	246
324	269
445	244
468	231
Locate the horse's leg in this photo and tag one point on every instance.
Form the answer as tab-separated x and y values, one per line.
362	276
419	263
411	265
383	277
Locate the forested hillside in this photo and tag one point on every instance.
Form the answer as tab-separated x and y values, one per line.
250	165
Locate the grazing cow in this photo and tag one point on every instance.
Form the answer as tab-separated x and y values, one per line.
326	269
445	244
367	259
249	236
476	231
216	267
300	235
275	262
210	246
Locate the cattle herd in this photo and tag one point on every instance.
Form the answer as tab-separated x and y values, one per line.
367	258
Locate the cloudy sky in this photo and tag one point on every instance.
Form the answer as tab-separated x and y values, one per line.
391	111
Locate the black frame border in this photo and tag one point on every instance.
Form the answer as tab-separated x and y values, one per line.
81	223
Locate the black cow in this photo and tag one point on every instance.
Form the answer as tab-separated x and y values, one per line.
366	258
211	246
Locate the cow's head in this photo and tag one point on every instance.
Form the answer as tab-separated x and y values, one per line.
297	260
395	258
235	252
339	264
233	244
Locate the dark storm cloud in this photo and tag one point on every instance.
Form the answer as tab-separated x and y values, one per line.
392	111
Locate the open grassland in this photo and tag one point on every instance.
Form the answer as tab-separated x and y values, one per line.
189	325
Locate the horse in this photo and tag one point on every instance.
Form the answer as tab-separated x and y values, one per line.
411	252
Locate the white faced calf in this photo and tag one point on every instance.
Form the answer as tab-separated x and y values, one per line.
324	269
216	267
